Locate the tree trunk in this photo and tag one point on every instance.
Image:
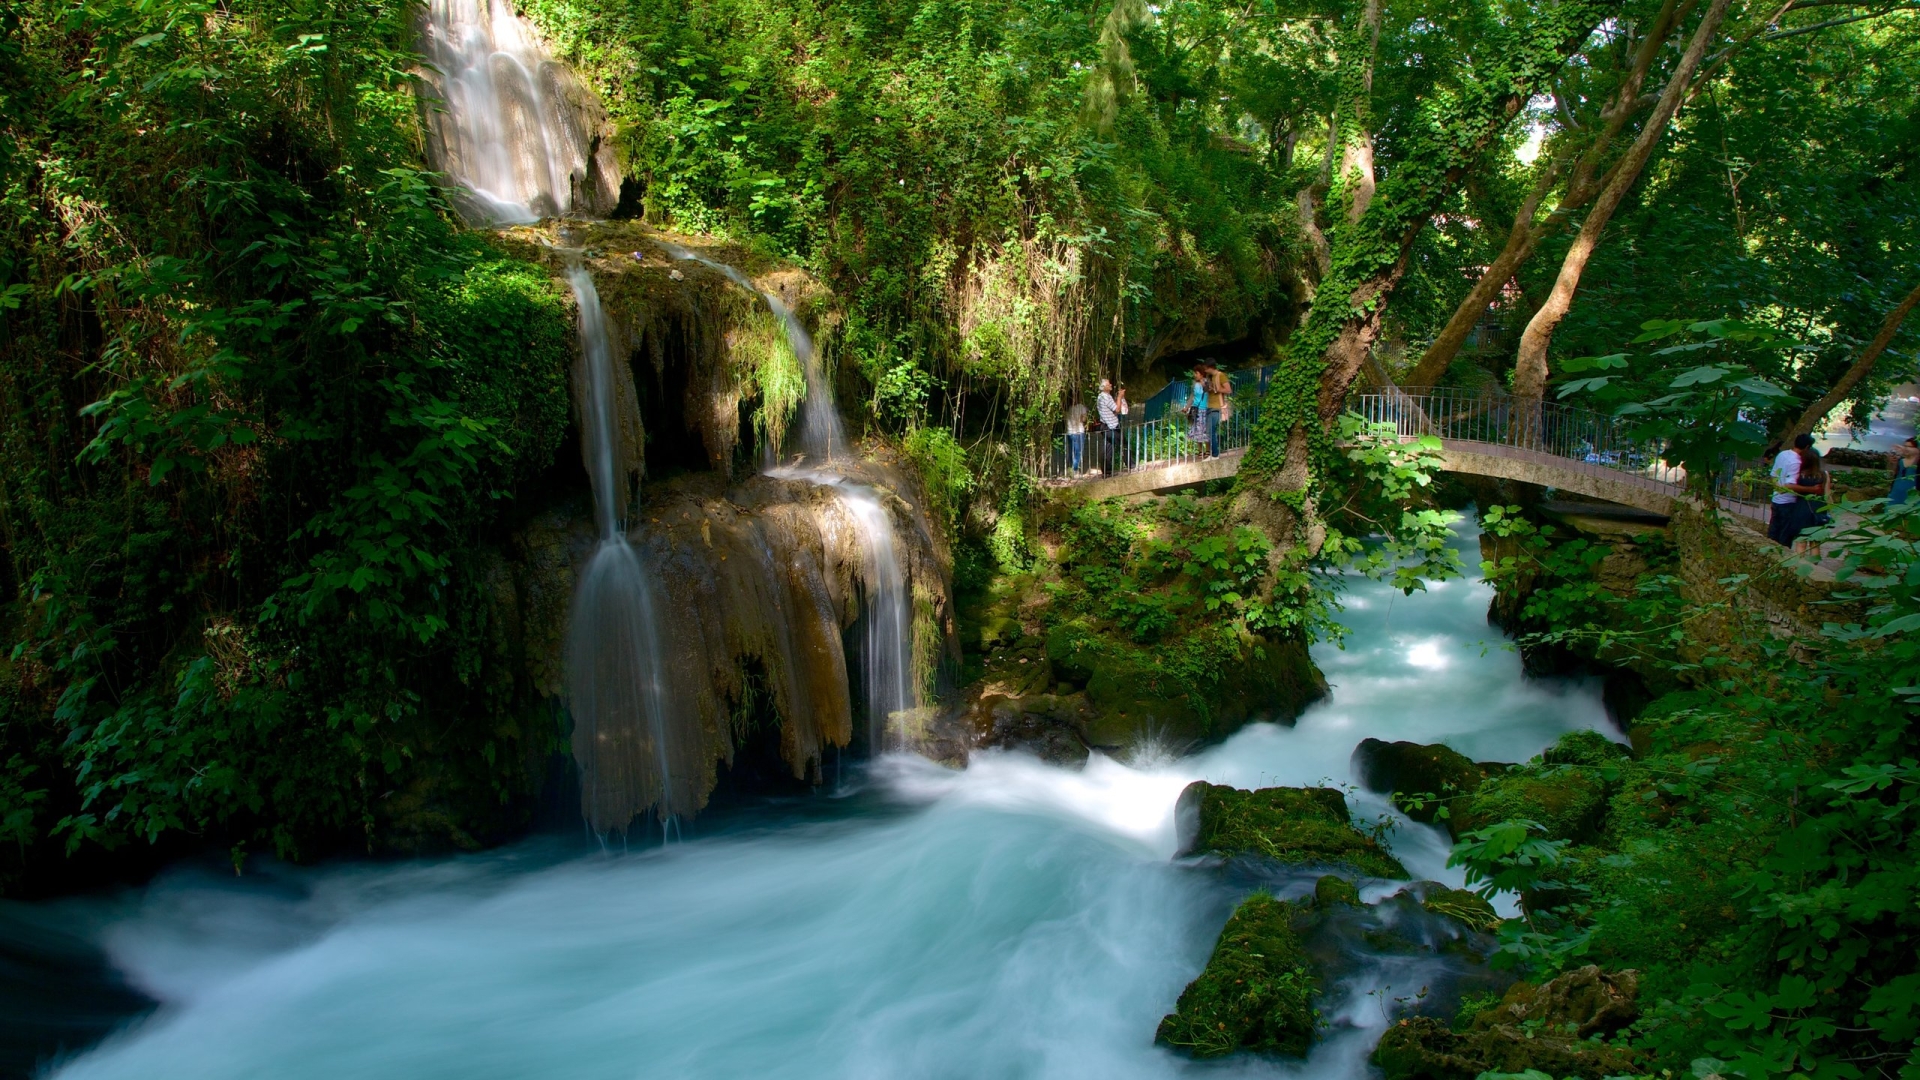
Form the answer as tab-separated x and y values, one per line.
1356	159
1369	258
1859	369
1530	372
1526	234
1521	241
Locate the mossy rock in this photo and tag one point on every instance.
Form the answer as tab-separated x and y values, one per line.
1468	907
1565	790
1554	1029
1255	993
1297	826
1423	777
1568	803
1138	698
1584	748
1333	889
1074	650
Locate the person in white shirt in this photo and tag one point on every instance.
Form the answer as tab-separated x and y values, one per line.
1796	474
1109	412
1076	435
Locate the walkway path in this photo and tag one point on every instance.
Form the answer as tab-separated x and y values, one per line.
1567	449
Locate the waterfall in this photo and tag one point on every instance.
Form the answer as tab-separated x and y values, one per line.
616	678
511	126
888	616
821	436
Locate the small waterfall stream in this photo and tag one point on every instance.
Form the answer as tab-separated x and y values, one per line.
822	437
511	128
888	618
616	682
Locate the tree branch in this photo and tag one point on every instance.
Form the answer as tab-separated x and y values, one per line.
1859	369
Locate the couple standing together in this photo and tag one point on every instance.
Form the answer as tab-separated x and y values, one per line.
1212	404
1105	425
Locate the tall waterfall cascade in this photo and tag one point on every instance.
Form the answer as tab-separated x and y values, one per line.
684	610
512	128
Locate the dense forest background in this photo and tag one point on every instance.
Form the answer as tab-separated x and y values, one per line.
267	404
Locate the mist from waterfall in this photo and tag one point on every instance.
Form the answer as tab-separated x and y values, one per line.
512	126
616	677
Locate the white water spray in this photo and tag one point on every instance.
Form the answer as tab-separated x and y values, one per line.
514	127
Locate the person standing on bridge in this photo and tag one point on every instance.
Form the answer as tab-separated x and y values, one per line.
1109	413
1197	406
1076	435
1219	399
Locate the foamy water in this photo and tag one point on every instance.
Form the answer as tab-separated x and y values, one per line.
1011	920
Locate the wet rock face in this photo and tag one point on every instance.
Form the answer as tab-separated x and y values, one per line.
1275	957
1256	992
1291	826
1423	777
1554	1028
1051	727
760	583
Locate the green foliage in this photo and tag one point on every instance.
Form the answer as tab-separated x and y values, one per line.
942	463
264	400
1710	412
1756	862
929	160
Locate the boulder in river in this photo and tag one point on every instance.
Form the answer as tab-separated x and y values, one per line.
1555	1028
1297	826
1565	791
1052	727
1424	777
1256	992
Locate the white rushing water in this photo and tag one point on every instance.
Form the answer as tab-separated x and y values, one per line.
616	682
1013	920
506	130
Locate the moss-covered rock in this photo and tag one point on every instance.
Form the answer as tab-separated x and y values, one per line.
1333	889
1554	1028
1256	992
1468	907
1565	790
1298	826
1584	748
1137	697
1422	777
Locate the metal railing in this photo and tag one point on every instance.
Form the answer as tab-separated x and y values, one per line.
1581	439
1169	440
